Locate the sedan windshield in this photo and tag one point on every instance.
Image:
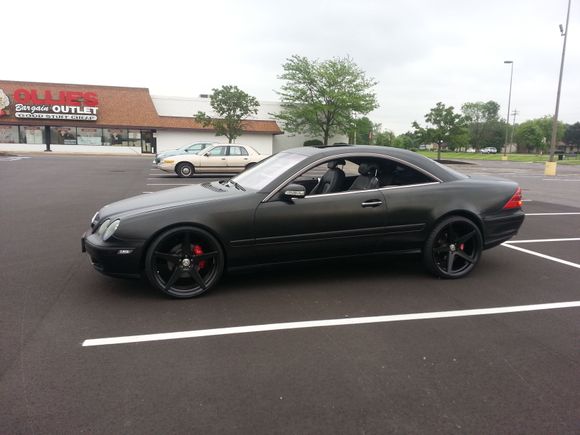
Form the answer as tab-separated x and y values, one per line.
268	170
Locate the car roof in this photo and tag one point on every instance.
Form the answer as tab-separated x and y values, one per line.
411	157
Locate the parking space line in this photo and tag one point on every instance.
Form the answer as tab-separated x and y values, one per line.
572	239
323	323
554	214
169	184
539	254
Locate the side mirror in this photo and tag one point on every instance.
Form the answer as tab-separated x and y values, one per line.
294	191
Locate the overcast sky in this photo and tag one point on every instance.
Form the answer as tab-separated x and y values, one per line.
420	51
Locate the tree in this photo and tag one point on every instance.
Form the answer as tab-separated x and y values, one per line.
233	106
443	126
545	124
323	98
572	135
480	118
406	140
384	138
529	135
365	130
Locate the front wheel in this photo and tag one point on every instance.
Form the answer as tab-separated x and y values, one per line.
184	262
184	170
453	248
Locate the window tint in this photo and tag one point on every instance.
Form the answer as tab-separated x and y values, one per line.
402	175
238	151
217	151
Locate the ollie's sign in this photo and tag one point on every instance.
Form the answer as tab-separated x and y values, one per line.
70	105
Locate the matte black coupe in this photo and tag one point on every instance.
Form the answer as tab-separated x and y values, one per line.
306	203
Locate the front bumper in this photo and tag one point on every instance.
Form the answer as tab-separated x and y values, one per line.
500	228
115	259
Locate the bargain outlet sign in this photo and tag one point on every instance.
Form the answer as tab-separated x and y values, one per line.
68	105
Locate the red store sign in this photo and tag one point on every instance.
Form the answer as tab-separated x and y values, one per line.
68	105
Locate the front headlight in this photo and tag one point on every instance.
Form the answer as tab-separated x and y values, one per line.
103	227
111	230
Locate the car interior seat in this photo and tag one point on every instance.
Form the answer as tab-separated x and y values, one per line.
367	178
332	180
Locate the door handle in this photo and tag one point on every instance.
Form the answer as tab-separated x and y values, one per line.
372	203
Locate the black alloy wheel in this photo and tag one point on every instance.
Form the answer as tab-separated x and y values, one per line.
185	170
453	248
184	262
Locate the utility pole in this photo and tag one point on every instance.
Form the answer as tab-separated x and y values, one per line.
550	168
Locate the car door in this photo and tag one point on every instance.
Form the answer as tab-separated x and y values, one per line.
214	160
237	158
325	225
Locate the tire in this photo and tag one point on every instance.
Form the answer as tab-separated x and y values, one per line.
185	170
453	248
184	262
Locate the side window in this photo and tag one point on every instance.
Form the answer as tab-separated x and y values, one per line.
238	151
218	151
402	175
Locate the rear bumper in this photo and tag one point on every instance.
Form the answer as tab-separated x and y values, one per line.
122	260
500	228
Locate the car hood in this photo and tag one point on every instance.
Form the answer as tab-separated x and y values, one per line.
195	194
172	153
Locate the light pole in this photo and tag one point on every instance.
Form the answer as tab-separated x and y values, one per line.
551	164
507	119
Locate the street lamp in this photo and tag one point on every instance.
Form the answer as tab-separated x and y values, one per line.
551	164
507	125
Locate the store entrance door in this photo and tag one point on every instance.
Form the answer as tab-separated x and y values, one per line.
146	142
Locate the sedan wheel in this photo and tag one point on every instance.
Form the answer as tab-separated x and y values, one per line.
453	248
185	170
184	262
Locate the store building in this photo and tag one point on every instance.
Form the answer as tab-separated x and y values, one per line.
109	119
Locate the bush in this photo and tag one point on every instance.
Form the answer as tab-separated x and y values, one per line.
312	142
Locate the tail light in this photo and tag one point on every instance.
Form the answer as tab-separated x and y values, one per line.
515	201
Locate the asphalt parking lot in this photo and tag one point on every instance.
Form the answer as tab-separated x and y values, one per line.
511	368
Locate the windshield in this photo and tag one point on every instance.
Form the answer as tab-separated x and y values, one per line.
268	170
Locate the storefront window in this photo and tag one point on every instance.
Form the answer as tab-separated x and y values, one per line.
134	138
8	134
33	135
115	136
63	135
89	136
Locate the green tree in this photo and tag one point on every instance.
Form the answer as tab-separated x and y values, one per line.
529	134
406	140
365	130
545	124
384	138
233	106
572	134
323	98
480	118
443	126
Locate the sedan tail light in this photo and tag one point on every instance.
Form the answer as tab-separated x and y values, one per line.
515	201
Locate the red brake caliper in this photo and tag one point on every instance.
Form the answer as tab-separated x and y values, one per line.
462	246
197	250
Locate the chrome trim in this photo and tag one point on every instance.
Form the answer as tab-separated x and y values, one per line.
409	185
321	195
351	154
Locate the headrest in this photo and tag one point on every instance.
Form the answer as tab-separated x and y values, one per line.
367	168
334	163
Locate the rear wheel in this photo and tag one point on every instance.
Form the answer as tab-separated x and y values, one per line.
184	262
453	248
185	170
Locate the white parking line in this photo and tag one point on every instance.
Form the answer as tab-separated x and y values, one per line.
572	239
539	254
558	179
322	323
553	214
